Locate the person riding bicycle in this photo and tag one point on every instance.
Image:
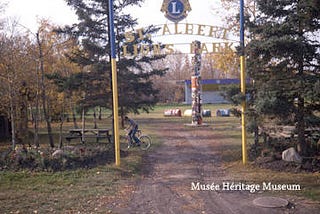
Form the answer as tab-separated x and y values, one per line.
132	130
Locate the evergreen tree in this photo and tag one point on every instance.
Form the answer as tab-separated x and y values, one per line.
284	61
136	91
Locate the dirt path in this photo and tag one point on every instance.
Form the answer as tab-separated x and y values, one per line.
186	157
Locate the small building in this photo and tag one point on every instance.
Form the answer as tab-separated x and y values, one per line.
211	92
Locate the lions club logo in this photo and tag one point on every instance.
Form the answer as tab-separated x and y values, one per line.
176	10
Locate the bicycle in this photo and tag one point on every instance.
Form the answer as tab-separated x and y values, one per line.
126	144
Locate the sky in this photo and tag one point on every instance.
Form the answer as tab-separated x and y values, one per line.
201	12
28	12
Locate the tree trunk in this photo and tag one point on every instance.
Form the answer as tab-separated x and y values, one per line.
122	116
300	125
256	135
302	145
100	113
12	118
60	131
36	114
43	94
95	118
83	125
36	125
74	119
22	127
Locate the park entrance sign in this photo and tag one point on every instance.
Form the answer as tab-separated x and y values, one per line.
177	29
175	11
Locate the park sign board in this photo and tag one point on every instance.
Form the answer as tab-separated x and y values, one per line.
175	11
132	48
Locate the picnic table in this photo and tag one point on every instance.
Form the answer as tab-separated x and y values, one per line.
84	134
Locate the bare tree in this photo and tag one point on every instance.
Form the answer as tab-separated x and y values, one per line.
171	85
228	10
14	62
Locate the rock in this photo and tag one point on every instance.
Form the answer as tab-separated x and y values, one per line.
58	153
69	148
291	155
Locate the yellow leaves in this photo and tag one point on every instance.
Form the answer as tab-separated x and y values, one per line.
21	57
59	103
226	63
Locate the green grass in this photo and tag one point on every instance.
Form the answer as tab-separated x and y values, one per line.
45	192
67	191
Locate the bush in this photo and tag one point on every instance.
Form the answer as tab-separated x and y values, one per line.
47	159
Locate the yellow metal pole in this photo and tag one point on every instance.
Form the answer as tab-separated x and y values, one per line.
114	82
243	84
243	119
115	111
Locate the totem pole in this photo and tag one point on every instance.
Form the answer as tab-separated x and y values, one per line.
196	85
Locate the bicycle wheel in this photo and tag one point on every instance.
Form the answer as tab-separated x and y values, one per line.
124	144
145	142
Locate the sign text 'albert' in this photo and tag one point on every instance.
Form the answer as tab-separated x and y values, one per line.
132	48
